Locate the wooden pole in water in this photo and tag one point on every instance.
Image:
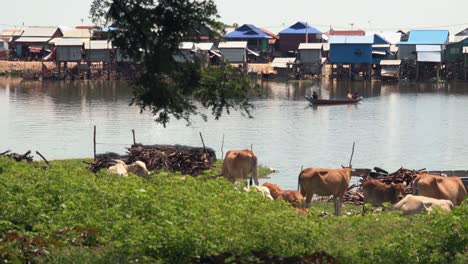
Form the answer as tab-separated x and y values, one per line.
133	132
94	142
203	142
222	145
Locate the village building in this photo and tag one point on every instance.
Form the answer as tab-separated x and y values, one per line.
283	66
425	50
34	42
310	58
462	35
234	51
10	35
390	70
257	40
353	52
300	32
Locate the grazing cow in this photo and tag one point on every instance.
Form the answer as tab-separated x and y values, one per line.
120	168
295	198
438	187
412	204
325	182
138	168
264	191
238	164
376	192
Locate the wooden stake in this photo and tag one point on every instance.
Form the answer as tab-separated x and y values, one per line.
133	132
94	142
46	161
222	145
203	142
352	153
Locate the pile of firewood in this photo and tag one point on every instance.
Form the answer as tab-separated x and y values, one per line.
18	157
354	193
104	161
185	159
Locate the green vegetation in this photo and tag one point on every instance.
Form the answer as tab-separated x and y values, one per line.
65	214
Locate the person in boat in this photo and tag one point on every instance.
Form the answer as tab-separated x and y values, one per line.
349	95
355	95
314	95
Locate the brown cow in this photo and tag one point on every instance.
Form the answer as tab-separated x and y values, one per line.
438	187
295	198
376	192
238	164
325	182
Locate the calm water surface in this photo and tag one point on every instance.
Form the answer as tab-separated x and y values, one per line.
412	125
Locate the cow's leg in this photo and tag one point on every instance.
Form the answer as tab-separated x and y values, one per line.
308	199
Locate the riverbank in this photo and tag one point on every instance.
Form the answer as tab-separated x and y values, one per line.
63	213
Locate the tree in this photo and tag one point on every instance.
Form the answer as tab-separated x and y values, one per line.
150	33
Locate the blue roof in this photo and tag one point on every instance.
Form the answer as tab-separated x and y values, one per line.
427	37
247	31
300	28
351	40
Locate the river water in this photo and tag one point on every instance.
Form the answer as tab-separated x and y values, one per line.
421	125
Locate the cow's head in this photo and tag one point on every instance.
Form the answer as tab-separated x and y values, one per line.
399	190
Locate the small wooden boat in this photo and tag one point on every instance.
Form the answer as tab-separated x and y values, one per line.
332	101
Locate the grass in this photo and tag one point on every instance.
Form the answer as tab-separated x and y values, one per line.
65	214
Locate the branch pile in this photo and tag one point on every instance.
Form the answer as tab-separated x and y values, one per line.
18	157
104	161
185	159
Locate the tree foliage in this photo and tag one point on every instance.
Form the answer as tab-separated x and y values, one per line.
150	33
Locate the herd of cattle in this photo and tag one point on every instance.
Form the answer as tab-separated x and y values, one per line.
429	191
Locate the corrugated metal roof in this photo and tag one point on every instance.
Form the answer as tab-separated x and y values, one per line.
345	33
310	46
463	32
381	45
11	32
427	37
390	62
69	42
351	40
40	31
204	46
233	45
77	33
465	50
423	48
300	28
98	44
187	45
32	39
248	31
391	36
282	62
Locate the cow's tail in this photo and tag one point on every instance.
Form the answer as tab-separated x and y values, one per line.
254	170
300	188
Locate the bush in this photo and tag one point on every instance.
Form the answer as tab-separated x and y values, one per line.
66	214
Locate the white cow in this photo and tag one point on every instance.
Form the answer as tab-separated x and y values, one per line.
261	189
413	204
122	169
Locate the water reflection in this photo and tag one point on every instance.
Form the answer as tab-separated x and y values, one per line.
414	125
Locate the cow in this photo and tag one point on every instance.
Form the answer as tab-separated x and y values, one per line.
438	187
119	168
238	164
295	198
324	182
264	191
138	168
376	192
122	169
412	204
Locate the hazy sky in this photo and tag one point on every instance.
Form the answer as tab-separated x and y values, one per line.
275	15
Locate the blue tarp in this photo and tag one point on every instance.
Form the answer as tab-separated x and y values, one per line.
247	31
417	37
300	28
